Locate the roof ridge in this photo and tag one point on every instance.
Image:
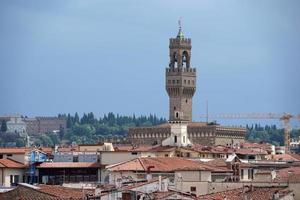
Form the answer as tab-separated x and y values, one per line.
15	161
143	165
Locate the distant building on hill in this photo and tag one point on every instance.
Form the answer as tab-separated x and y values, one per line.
44	124
35	125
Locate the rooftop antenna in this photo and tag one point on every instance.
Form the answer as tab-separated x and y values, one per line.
179	23
207	111
180	34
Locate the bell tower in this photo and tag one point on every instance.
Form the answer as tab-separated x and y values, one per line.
180	78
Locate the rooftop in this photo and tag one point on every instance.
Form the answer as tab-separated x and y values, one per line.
248	192
162	164
8	163
19	150
69	165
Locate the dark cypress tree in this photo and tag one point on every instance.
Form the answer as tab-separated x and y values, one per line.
69	121
3	126
76	119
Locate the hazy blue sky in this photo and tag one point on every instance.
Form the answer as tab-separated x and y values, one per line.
101	56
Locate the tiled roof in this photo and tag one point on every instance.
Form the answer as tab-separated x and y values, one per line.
69	165
291	174
162	164
145	148
296	156
284	157
257	193
8	163
209	149
153	180
250	151
64	192
13	150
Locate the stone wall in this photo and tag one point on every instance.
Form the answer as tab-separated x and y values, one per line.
198	133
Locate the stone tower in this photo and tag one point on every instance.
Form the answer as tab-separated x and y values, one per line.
180	78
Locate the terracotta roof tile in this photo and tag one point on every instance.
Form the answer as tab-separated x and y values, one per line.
284	157
13	150
8	163
257	193
64	192
69	165
145	148
291	174
162	164
251	151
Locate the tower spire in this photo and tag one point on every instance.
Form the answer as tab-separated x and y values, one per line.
180	33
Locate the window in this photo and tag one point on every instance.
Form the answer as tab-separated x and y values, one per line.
173	81
169	81
75	159
193	189
177	81
174	108
175	139
242	174
189	82
1	156
177	115
14	180
184	81
186	101
250	174
183	139
133	153
166	155
193	82
9	155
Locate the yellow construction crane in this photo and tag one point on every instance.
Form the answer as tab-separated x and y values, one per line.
285	118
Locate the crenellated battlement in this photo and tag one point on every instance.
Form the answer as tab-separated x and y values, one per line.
183	69
180	41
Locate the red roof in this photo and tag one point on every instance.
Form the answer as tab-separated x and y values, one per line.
145	148
209	149
251	151
13	150
69	165
284	157
256	193
8	163
64	192
291	174
162	164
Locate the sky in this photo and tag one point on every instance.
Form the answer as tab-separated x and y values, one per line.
110	56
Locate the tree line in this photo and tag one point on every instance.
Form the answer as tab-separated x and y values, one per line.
89	129
268	133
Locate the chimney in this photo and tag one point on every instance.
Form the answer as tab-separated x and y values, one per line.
275	196
159	184
149	175
98	191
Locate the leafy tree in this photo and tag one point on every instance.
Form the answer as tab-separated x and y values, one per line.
20	142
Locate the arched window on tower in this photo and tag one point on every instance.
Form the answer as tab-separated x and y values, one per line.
185	59
174	60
